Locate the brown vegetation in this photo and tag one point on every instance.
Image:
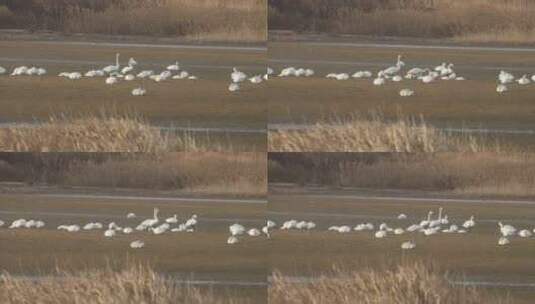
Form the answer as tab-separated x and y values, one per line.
135	284
470	173
405	284
472	20
207	173
373	134
227	20
102	132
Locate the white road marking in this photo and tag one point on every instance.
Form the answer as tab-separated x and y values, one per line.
152	198
156	46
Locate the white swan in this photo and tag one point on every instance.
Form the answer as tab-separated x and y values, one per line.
402	216
137	244
18	223
152	221
109	233
139	92
397	78
253	232
469	223
506	230
172	220
380	234
256	79
503	241
501	88
161	229
438	221
362	74
289	71
145	74
237	76
399	231
236	229
265	230
525	233
2	70
426	222
113	68
131	215
232	240
406	93
181	75
408	245
394	69
233	87
112	80
191	222
174	67
524	80
379	81
505	77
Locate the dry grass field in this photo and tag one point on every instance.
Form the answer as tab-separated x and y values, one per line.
203	103
411	283
237	174
117	133
473	257
469	104
480	21
205	20
374	134
203	254
132	284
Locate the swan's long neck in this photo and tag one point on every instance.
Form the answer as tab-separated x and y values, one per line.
117	59
429	216
156	214
439	214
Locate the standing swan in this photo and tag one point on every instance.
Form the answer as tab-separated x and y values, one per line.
113	68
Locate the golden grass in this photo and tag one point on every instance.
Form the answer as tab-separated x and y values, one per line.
406	284
234	20
204	173
502	174
102	132
374	134
470	21
135	284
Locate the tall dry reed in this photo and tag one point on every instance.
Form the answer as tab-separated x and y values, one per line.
136	284
206	173
103	132
406	284
225	20
371	134
496	174
471	20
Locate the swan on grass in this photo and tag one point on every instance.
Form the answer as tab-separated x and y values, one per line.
503	241
113	68
406	93
408	245
232	240
506	230
233	87
137	244
236	229
253	232
139	92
